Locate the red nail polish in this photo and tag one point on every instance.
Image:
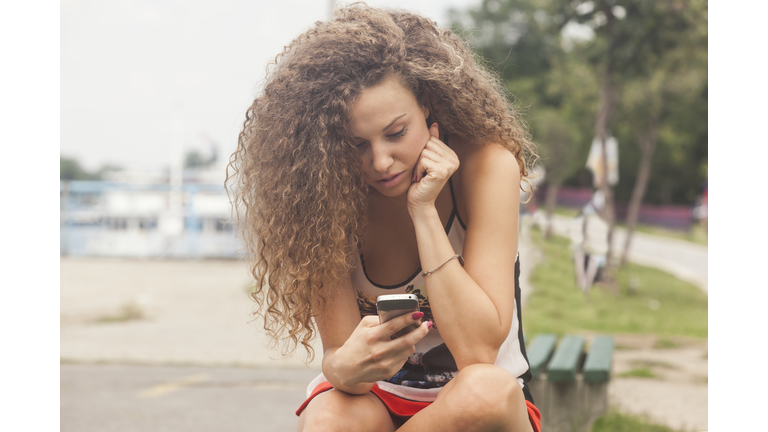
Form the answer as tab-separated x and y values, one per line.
417	315
429	324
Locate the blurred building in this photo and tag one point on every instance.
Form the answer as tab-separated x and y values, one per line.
148	215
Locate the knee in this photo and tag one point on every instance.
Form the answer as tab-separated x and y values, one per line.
342	412
488	393
328	420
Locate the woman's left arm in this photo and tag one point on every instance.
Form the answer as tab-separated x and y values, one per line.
473	305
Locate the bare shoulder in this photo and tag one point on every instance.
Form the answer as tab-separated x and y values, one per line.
490	159
487	174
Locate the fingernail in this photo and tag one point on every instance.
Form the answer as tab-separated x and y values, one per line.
429	324
417	315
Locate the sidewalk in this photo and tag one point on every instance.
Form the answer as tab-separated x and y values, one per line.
194	313
197	313
686	260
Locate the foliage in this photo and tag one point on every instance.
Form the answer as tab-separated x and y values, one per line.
673	94
649	301
520	39
656	54
193	159
617	422
70	169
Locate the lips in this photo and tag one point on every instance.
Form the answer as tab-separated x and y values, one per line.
390	180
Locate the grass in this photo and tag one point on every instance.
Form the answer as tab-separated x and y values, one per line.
649	301
566	211
653	363
696	234
644	372
663	343
617	422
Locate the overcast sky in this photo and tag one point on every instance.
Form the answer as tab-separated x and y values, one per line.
143	81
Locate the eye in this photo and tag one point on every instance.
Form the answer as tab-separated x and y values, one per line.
399	134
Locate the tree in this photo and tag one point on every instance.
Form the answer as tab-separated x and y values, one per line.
522	40
558	151
638	74
562	132
194	159
630	38
649	101
70	169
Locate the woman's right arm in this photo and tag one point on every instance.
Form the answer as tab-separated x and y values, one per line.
358	352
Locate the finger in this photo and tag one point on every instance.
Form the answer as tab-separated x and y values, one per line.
438	146
396	324
411	338
440	154
422	168
434	169
419	169
432	156
442	149
369	321
434	131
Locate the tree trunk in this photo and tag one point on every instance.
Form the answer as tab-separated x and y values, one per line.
550	204
647	144
607	107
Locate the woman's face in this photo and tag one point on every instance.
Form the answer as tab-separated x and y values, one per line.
389	129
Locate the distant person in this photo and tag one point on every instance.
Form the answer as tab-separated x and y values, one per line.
703	212
380	158
589	242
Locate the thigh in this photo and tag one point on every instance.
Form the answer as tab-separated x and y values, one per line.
339	411
480	398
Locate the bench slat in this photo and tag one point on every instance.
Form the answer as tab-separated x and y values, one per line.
562	367
597	367
539	352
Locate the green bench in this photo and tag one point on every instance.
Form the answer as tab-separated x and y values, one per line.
569	385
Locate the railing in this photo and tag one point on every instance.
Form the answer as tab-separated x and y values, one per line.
146	220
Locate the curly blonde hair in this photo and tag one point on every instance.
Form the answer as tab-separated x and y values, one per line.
295	179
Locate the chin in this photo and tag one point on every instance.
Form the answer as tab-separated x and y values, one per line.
392	192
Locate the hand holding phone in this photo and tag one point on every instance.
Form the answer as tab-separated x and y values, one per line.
379	346
395	305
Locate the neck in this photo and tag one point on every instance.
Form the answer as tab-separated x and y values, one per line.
389	207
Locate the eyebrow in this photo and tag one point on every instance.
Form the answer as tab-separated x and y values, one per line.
393	122
387	126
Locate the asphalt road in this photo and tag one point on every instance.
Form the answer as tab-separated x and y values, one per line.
126	398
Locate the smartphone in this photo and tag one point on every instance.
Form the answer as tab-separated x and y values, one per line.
394	305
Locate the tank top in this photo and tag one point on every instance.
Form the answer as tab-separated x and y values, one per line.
432	366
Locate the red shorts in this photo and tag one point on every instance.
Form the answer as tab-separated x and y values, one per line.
405	408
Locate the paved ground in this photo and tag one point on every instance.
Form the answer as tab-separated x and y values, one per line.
122	398
167	345
686	260
678	394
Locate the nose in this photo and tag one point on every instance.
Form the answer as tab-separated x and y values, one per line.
382	157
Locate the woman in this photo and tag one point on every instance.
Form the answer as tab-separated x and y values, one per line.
378	153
